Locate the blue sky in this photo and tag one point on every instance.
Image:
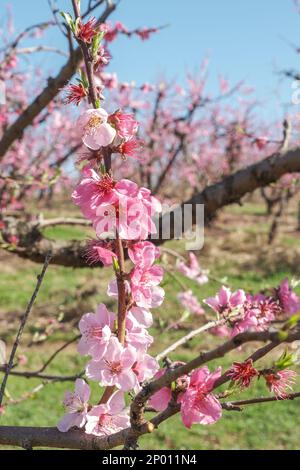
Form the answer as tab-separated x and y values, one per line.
244	40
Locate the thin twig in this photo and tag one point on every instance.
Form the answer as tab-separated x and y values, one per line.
38	375
235	405
64	346
188	337
22	325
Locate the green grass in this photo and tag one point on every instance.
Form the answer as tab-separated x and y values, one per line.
16	287
61	232
264	426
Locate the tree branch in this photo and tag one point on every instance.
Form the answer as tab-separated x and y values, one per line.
236	405
188	337
138	404
34	245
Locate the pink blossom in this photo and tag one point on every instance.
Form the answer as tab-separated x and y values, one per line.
77	405
226	301
98	251
93	126
198	405
192	270
140	317
260	142
145	368
147	88
75	94
13	239
143	253
144	286
106	256
129	148
131	210
149	297
108	418
22	359
86	31
96	332
115	367
265	312
110	80
190	302
93	191
280	382
124	123
243	372
160	400
103	57
145	33
112	288
220	330
137	336
288	299
247	322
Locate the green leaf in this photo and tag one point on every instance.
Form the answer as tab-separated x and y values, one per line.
69	20
286	360
96	42
76	26
7	394
282	335
83	79
115	264
97	103
292	321
55	177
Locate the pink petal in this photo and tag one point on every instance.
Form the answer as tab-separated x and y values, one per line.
82	390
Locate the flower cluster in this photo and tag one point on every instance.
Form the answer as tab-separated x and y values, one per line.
244	312
122	365
192	269
99	129
190	302
243	373
198	404
122	214
277	381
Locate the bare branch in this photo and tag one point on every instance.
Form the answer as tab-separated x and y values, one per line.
231	189
236	405
185	339
38	375
59	350
30	50
22	325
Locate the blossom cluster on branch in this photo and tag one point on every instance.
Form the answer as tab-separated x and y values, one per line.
121	214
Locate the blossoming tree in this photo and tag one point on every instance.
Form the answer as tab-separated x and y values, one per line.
117	343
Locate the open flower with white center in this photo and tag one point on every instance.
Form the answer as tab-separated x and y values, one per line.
94	128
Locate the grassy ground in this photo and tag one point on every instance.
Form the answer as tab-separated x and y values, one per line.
234	248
